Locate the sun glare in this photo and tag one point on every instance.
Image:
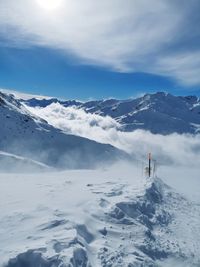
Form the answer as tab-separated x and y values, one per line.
50	4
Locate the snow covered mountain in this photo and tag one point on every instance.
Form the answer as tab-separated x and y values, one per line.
113	216
28	136
159	113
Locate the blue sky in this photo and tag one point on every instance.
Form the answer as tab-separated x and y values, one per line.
110	49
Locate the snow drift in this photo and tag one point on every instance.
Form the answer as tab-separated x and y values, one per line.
96	218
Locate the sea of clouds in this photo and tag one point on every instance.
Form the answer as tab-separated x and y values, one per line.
176	149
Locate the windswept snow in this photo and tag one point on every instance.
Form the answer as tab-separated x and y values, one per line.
112	217
13	163
25	96
29	136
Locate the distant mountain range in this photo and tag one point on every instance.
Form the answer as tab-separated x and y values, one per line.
160	113
26	139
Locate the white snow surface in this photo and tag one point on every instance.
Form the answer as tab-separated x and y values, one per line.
109	217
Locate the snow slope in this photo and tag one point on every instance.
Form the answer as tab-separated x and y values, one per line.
13	163
159	113
26	135
110	218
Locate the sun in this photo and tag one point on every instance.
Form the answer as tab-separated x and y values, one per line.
50	4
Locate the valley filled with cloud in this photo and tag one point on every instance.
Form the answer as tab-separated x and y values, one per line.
181	149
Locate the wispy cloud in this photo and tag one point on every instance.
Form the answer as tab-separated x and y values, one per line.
156	36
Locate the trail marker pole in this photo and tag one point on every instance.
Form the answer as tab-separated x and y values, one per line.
149	164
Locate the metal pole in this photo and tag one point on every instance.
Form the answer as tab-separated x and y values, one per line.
149	164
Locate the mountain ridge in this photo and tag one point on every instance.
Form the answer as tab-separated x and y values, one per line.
160	113
26	135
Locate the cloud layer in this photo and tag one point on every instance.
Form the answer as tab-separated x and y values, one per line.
157	36
172	149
